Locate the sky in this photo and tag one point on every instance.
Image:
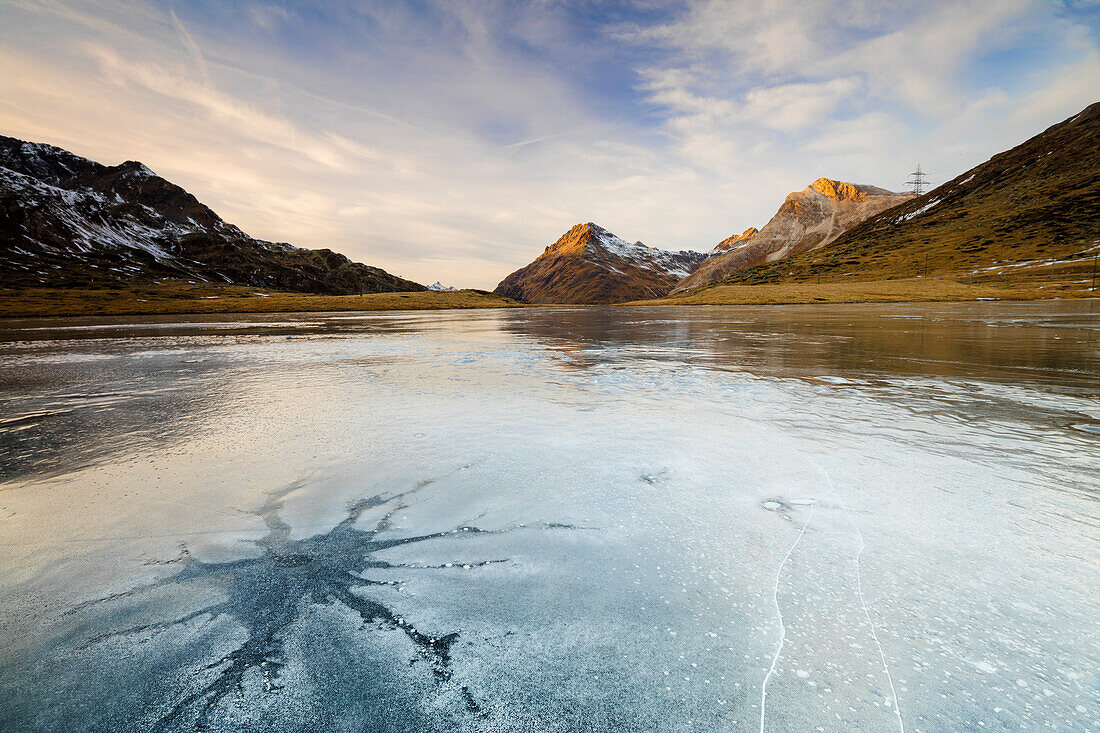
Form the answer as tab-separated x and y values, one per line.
453	141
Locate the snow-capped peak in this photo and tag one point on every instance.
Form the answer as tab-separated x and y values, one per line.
676	263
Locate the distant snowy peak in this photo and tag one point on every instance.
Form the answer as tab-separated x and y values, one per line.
441	288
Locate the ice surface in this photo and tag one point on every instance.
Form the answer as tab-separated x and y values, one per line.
553	519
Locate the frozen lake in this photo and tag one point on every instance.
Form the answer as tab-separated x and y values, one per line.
830	518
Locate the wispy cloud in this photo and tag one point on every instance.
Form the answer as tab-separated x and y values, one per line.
189	43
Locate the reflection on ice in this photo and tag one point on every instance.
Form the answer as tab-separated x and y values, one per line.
561	519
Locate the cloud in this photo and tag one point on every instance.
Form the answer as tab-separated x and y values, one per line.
453	142
792	107
857	88
189	43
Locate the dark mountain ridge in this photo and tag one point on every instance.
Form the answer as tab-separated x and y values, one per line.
67	221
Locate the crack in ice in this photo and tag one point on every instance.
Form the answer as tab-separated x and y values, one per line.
859	590
267	595
779	614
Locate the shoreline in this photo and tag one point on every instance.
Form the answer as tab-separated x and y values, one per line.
206	298
902	290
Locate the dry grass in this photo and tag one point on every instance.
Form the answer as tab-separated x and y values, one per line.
185	297
875	291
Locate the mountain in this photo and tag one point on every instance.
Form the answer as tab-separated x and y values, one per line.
590	265
441	288
69	221
732	241
1023	212
808	219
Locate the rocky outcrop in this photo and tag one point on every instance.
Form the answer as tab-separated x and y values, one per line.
69	221
590	265
808	219
732	241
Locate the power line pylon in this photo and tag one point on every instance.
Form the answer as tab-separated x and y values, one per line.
917	181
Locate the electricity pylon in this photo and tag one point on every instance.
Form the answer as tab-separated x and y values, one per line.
917	181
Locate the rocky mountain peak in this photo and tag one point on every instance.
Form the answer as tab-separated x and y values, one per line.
844	191
135	166
836	189
586	229
578	237
737	239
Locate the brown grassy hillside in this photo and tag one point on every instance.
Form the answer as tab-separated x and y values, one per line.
1010	219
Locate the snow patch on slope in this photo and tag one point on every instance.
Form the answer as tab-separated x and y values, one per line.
81	212
913	214
651	258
